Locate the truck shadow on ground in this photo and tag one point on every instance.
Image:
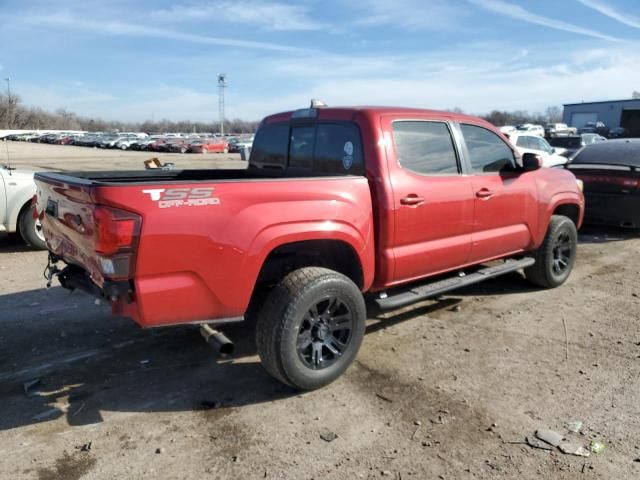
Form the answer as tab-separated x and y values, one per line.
63	356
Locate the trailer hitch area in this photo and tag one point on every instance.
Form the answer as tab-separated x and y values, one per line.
51	270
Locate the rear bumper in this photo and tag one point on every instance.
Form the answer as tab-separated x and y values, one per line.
76	278
121	295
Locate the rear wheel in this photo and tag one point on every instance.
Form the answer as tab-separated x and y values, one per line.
31	230
310	328
556	255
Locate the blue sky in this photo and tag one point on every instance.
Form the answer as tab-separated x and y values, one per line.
148	59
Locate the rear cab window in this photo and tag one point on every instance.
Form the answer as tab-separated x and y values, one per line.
322	148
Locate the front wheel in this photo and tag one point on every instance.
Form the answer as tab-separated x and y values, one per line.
311	327
31	230
556	255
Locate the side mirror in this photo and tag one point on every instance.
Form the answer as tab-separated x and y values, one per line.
531	162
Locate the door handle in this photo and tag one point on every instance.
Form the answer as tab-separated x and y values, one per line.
412	200
484	193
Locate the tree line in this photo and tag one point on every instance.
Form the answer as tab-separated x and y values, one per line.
15	115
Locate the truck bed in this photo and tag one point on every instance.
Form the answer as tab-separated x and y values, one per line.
195	239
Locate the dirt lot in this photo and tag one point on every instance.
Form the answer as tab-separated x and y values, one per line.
446	389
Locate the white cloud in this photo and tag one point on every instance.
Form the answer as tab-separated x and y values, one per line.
476	80
502	7
267	15
622	17
118	28
410	14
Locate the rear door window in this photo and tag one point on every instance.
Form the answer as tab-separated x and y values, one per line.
425	147
488	153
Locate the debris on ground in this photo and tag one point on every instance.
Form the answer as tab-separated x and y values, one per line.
536	443
383	397
574	426
29	385
573	449
596	447
85	447
328	436
159	450
549	436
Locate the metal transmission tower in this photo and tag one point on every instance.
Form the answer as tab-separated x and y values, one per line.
222	84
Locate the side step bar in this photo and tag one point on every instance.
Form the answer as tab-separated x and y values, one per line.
439	287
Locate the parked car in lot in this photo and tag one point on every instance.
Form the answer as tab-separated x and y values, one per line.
325	213
558	129
591	138
531	129
567	146
208	145
507	129
242	144
595	127
618	132
551	157
16	211
611	174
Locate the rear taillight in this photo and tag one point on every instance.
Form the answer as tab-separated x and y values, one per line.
116	238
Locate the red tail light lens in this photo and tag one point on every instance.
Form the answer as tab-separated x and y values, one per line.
116	230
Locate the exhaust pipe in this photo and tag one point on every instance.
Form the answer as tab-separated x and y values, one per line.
218	340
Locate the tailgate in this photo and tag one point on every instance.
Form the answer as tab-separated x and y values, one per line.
97	238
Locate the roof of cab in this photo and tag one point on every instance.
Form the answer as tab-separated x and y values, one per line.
349	112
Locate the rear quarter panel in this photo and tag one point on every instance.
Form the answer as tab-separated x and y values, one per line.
201	262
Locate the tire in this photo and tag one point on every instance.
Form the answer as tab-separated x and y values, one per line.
31	230
557	254
123	147
293	326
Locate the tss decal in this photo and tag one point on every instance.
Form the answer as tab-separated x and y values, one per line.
182	197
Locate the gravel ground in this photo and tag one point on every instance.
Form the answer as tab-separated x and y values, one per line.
445	389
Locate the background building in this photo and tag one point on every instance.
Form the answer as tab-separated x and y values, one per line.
613	113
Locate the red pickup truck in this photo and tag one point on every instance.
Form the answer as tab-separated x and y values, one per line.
337	205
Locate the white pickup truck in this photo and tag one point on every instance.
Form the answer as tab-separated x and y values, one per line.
16	191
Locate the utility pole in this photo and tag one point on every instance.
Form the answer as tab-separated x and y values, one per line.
222	84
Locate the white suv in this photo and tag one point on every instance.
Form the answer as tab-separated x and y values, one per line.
534	144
